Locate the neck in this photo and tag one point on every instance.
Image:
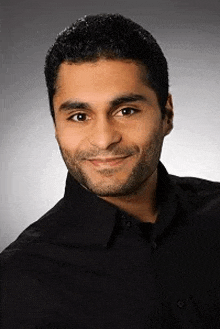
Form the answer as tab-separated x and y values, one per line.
141	205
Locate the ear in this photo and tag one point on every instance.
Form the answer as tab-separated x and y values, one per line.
168	118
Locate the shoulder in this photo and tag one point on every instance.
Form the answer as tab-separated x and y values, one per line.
200	201
195	184
197	188
38	231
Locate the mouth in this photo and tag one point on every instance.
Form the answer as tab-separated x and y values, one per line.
108	162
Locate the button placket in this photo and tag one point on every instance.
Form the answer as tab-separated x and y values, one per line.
154	245
181	304
128	223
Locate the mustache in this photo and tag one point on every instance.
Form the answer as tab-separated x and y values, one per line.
117	152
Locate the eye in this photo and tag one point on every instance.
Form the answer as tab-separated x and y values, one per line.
126	112
79	117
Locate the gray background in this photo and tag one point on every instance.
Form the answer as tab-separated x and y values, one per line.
32	171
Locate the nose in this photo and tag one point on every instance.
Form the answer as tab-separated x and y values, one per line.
104	134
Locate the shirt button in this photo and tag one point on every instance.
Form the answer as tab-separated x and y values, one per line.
154	245
128	224
181	304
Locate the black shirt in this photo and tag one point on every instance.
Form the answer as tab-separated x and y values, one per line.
87	264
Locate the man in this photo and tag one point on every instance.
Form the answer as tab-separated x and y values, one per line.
128	246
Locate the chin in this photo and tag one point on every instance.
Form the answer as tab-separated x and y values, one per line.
116	190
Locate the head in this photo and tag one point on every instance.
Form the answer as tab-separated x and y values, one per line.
108	89
108	36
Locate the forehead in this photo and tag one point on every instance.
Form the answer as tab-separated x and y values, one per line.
102	83
100	73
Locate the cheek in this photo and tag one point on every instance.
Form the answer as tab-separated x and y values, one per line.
145	132
69	138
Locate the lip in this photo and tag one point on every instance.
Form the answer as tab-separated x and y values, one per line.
108	162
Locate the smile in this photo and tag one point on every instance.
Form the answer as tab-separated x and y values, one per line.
108	162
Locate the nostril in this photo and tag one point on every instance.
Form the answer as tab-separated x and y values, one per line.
104	138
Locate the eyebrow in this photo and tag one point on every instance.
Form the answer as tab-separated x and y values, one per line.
76	105
73	105
127	99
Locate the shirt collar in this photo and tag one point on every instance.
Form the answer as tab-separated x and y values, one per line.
167	200
94	219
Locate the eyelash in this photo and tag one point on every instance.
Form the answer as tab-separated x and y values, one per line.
79	113
128	108
125	108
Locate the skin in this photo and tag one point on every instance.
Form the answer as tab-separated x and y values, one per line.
110	131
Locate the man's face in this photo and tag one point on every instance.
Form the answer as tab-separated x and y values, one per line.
109	125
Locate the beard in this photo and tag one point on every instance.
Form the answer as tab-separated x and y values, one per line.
108	185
